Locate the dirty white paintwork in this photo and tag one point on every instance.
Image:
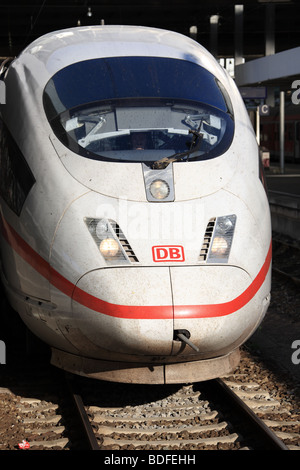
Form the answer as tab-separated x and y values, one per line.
69	188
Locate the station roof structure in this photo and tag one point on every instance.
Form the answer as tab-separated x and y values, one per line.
281	69
258	36
22	22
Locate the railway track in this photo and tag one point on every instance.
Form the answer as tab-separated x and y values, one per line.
35	408
220	414
111	416
32	413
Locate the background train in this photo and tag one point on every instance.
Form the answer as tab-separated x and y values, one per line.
135	226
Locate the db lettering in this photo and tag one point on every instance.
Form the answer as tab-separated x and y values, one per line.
167	253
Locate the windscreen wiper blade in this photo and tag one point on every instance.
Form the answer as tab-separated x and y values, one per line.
177	157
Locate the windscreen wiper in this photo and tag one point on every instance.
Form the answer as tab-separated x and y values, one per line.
177	157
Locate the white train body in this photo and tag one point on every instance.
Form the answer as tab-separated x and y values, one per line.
109	251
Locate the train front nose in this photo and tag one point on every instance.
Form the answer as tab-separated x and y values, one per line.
138	311
124	320
124	311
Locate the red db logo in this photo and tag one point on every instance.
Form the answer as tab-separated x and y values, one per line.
167	253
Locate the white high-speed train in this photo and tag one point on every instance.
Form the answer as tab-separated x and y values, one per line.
135	226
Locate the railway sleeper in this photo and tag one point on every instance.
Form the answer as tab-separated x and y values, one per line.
107	430
56	443
100	418
169	443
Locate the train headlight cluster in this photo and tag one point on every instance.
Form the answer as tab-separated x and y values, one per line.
104	233
222	239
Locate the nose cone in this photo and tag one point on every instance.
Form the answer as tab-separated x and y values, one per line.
131	313
115	310
219	305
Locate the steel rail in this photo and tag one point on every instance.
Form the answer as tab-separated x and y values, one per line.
268	438
88	429
83	418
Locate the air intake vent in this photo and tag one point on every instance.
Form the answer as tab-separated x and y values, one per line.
207	239
123	241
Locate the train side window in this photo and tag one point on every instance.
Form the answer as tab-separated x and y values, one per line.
16	178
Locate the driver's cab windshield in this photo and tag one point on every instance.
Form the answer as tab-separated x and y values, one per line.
139	109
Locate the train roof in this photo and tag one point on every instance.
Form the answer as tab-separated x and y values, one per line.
58	49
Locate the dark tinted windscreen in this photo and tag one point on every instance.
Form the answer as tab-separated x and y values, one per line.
98	107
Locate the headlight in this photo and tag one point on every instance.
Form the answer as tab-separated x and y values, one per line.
225	224
222	239
219	246
159	189
102	228
109	247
